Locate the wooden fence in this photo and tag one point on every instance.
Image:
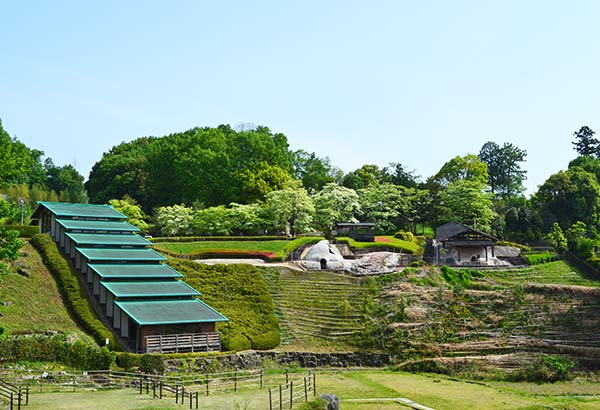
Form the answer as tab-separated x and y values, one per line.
15	395
284	396
184	342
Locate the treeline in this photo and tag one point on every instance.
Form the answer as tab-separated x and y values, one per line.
222	181
26	177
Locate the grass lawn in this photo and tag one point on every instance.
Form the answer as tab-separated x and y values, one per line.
558	273
360	390
275	249
36	302
383	240
444	394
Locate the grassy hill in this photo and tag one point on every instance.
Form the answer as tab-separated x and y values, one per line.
33	304
498	318
316	310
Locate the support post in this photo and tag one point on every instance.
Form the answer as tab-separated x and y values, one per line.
280	398
261	379
270	400
291	394
305	390
235	381
206	380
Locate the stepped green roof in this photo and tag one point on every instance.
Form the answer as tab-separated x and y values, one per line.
83	225
108	239
130	271
63	209
173	288
170	312
108	254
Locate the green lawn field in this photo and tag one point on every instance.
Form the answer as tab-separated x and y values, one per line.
361	390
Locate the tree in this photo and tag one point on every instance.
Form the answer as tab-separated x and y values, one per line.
291	208
333	204
174	220
135	215
364	177
215	166
585	143
556	237
398	175
66	181
468	167
505	175
9	246
18	164
570	196
314	172
467	202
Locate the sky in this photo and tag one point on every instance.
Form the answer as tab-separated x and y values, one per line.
412	82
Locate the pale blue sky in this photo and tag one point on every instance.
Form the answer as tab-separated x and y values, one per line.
415	82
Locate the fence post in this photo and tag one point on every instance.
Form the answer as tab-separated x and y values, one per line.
305	390
280	398
287	376
153	389
191	399
11	401
314	386
291	393
141	386
270	400
235	381
197	394
261	379
26	395
206	381
176	394
160	387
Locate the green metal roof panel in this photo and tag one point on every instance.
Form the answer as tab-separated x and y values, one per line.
150	289
163	312
130	271
83	225
108	239
108	254
82	210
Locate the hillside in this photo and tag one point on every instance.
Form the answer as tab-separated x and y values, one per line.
495	317
34	303
316	310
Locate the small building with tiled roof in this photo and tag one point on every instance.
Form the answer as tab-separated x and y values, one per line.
456	244
142	297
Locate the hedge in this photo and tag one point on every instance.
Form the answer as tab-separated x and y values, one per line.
241	294
75	297
56	349
217	238
25	231
541	257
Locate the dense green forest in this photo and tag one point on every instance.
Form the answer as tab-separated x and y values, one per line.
222	181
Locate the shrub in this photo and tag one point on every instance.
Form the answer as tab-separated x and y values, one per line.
541	257
236	343
56	349
405	236
265	341
75	297
152	364
25	231
126	360
241	294
546	369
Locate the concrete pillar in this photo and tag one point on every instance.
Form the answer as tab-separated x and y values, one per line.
90	276
124	325
102	295
109	304
52	227
61	236
68	246
96	287
117	317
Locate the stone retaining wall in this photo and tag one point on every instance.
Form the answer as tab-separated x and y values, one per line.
253	360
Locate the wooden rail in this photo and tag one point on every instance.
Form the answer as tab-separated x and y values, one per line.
184	342
14	395
292	392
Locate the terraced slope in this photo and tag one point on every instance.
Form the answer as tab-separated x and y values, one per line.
511	314
316	309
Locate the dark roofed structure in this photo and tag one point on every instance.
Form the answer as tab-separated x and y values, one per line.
457	245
